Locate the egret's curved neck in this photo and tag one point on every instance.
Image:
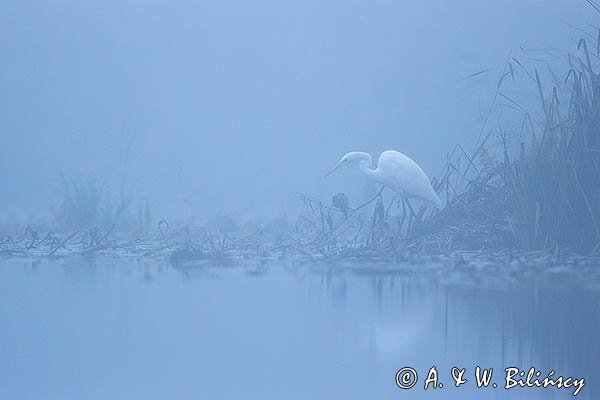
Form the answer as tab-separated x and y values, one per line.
364	163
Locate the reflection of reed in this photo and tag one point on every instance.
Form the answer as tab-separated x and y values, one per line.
546	322
561	324
542	322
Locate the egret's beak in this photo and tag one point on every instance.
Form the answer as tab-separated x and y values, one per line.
332	170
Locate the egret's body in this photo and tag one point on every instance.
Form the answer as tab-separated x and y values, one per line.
396	171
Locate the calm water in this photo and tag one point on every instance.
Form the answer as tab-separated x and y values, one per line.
114	330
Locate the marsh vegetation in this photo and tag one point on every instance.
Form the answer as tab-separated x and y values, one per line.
536	197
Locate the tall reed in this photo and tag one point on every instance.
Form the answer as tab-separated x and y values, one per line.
554	181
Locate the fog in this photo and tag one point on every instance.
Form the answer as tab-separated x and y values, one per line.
208	108
166	228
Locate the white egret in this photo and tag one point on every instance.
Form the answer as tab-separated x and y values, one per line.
396	171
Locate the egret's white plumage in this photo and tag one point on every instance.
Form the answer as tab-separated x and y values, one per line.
396	171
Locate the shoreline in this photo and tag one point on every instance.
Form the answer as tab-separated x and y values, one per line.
184	247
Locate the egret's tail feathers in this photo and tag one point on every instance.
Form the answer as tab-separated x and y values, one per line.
432	198
429	201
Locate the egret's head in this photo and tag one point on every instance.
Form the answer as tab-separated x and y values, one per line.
346	159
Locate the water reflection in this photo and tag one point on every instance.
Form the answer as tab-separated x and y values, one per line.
113	330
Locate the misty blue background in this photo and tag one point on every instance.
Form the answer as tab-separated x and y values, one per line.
208	108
